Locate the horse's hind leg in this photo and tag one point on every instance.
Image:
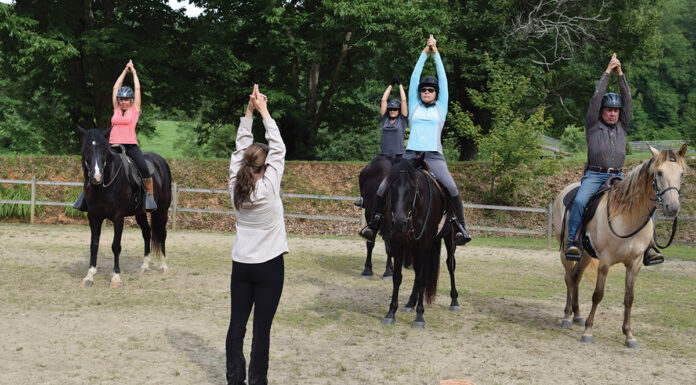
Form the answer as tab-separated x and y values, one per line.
573	275
116	248
631	273
145	230
159	238
390	318
95	230
412	299
419	322
451	266
602	272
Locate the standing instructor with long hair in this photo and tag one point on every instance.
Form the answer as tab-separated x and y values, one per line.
256	170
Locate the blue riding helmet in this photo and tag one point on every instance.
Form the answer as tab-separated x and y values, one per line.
394	104
124	92
612	100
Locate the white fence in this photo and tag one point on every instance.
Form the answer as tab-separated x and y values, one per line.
176	209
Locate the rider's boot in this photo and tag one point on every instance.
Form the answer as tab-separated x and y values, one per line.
81	203
573	251
369	232
461	236
650	258
358	203
150	204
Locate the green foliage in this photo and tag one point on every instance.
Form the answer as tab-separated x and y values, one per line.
341	146
573	138
16	192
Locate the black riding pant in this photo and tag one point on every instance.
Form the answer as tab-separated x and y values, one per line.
259	285
133	151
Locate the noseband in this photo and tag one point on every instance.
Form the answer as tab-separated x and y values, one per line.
106	162
411	230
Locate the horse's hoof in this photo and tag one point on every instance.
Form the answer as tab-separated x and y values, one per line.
407	309
579	321
115	284
633	344
586	339
418	325
144	271
164	270
454	308
388	321
366	276
387	277
86	283
565	324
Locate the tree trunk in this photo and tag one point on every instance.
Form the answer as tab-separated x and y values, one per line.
468	150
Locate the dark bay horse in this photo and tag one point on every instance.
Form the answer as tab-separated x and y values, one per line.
417	207
621	231
109	196
370	178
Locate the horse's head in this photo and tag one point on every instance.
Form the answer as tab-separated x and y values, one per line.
403	192
95	153
667	168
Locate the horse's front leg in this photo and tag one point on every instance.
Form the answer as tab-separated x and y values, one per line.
412	299
116	248
573	276
419	322
146	232
602	272
631	274
367	273
396	282
389	268
95	230
451	266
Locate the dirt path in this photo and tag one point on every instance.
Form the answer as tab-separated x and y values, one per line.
171	329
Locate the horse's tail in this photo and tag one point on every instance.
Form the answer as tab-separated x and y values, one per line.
159	217
159	232
431	271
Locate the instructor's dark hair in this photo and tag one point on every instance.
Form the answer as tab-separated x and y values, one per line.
253	162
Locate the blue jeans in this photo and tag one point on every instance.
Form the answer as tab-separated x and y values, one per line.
591	182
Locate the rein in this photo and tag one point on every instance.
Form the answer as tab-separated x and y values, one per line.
427	211
658	202
113	177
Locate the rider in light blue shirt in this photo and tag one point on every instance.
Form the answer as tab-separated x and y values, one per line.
427	110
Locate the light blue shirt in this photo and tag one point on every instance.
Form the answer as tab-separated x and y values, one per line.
427	122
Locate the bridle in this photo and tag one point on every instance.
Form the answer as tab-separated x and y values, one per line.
411	230
657	202
104	166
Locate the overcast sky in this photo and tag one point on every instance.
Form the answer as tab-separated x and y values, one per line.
191	10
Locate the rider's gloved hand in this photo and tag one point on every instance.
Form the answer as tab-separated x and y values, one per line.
396	80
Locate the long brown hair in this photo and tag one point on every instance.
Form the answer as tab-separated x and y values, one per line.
253	162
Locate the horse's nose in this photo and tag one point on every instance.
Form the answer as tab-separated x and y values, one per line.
399	225
670	210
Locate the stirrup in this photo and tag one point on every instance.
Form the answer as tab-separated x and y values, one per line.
572	256
650	259
368	234
358	203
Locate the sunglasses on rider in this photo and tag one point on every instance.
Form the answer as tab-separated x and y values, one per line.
427	89
392	109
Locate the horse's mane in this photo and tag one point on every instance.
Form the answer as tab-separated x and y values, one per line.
636	187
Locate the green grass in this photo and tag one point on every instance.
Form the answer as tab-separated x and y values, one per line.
163	140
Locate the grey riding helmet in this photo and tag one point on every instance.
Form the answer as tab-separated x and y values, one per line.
124	92
612	100
429	81
394	104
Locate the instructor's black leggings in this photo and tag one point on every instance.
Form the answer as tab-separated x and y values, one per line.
133	151
259	285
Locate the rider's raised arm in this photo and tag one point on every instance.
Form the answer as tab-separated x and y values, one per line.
383	103
443	92
136	87
404	104
117	85
626	100
243	141
275	160
415	80
593	110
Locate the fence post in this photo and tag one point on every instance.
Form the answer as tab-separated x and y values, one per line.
549	232
32	209
175	203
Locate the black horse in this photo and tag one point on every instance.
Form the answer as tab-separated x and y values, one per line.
418	206
370	178
109	195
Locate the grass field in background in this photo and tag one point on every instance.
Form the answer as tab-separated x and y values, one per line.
163	140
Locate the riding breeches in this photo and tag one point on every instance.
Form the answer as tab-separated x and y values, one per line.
438	167
133	151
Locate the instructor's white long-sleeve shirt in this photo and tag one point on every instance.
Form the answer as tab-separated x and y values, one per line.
261	232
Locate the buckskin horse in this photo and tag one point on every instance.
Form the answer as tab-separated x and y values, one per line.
417	207
109	196
369	180
620	231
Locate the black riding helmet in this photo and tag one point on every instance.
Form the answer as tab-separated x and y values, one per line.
612	100
394	104
124	92
429	81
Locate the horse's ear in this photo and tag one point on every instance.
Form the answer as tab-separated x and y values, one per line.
107	132
682	150
82	130
653	150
